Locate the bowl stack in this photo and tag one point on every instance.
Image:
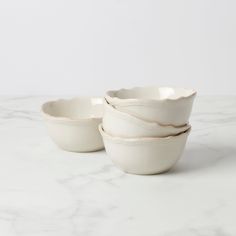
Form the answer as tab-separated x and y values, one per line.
145	129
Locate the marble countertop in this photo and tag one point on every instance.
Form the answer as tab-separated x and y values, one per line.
45	191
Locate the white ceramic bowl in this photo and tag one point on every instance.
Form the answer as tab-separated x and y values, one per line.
124	125
165	105
73	124
144	155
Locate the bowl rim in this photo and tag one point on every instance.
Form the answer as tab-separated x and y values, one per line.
137	120
140	139
65	118
109	94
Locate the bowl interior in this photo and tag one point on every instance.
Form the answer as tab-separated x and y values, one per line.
156	93
77	108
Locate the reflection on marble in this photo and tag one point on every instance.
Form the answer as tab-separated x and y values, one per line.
48	192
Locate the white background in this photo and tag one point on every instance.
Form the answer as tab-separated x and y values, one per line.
88	46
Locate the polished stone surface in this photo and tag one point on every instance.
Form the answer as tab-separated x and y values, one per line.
45	191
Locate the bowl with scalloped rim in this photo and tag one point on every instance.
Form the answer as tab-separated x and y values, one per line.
144	156
122	124
165	105
73	123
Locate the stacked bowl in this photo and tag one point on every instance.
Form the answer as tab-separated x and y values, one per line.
145	129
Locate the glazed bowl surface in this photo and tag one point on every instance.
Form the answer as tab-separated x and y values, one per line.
144	156
165	105
73	123
122	124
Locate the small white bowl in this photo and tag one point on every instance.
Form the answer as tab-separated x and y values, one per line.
73	124
144	156
124	125
165	105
